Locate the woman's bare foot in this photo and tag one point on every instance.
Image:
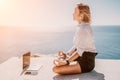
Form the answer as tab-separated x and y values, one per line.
60	62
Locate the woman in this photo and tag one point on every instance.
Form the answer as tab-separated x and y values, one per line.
83	50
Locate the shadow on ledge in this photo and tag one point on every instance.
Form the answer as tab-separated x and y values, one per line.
93	75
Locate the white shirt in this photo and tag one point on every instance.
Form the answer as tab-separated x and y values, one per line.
83	39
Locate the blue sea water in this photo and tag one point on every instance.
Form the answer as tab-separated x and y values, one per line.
107	41
15	42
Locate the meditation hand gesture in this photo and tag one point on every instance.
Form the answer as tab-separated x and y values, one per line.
59	62
62	55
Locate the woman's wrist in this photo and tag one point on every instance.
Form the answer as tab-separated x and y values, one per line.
68	54
67	62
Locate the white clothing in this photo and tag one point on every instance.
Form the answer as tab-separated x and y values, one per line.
83	39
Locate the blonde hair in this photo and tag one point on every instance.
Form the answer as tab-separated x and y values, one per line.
85	11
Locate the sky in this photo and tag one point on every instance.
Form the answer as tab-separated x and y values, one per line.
55	14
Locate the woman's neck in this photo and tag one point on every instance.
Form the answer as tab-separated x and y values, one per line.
80	23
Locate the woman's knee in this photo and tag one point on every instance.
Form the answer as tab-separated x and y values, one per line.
55	69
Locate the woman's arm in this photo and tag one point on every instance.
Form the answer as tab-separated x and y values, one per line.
74	56
71	51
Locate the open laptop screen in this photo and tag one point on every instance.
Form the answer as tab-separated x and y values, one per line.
26	60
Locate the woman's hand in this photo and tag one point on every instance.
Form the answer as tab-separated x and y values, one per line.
59	62
61	54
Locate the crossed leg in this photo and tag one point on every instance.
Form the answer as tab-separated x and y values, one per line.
67	69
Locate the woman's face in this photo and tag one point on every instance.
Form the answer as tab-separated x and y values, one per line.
76	15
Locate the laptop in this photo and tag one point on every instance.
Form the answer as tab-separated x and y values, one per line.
29	68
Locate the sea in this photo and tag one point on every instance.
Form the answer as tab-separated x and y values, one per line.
16	41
